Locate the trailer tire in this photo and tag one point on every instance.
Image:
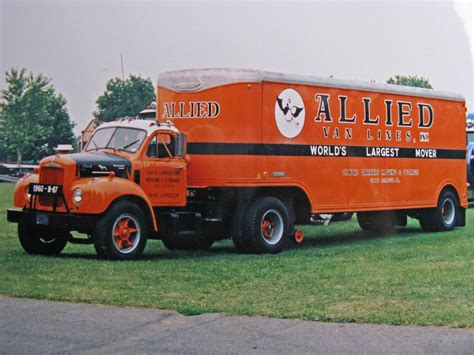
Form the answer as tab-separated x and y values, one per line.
36	240
378	222
122	232
266	226
364	220
444	216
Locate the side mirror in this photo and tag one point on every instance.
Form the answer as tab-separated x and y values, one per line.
181	145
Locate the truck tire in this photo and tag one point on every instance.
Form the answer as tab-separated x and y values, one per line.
36	240
121	233
236	229
266	226
444	216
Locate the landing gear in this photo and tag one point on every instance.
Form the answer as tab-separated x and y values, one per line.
298	236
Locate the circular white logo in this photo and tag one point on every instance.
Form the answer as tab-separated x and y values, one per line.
289	113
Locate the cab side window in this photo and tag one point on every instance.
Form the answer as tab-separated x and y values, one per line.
161	146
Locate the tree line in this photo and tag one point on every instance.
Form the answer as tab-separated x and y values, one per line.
34	118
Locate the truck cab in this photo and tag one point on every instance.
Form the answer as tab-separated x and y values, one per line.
110	191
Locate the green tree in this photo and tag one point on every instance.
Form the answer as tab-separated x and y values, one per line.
124	98
33	116
410	80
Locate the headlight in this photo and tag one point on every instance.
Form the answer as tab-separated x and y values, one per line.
77	196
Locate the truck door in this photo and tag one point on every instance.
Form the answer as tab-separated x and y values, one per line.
164	178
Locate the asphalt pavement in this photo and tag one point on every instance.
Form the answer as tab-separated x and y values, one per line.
32	326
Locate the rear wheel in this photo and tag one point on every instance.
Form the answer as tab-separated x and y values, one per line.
444	216
236	229
266	226
122	232
365	221
38	240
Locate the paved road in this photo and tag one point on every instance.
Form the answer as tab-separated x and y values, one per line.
30	326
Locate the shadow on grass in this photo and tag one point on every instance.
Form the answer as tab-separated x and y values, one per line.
156	251
356	236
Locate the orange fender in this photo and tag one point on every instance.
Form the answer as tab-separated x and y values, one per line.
20	198
99	193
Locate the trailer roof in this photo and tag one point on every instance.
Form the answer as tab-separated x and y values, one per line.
192	80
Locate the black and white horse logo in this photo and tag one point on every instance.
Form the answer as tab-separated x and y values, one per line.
289	113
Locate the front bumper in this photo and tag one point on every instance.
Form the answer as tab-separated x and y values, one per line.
54	220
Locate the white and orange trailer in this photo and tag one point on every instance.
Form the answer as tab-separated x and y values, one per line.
248	154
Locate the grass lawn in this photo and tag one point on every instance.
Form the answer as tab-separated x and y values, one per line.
339	273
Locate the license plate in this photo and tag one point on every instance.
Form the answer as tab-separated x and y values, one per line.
42	219
44	189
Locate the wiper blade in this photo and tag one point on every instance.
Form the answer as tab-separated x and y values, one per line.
128	144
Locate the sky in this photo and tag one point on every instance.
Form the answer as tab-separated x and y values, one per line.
79	44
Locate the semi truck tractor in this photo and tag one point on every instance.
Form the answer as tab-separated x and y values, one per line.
248	155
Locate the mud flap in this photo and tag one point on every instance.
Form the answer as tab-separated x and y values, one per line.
461	222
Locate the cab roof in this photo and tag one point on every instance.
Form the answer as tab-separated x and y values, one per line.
192	80
147	125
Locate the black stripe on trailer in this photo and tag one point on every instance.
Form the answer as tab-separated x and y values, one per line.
317	150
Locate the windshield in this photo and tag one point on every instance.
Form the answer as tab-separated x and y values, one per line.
127	139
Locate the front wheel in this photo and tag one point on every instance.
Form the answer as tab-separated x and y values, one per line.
121	233
266	226
37	240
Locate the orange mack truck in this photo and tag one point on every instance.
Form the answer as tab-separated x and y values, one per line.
247	155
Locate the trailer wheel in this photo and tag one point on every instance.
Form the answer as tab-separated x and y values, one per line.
444	216
36	240
365	221
266	226
121	233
